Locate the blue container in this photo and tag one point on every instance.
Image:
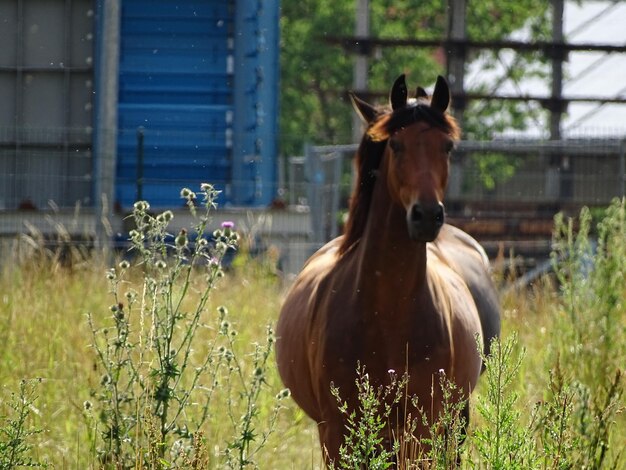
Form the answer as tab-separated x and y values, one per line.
175	85
199	80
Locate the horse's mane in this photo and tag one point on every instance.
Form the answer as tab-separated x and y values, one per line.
370	153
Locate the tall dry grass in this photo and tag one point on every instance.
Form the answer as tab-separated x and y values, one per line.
570	327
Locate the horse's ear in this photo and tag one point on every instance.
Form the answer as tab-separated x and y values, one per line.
399	93
420	93
366	111
441	96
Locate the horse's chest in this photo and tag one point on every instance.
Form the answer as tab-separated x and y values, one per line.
388	336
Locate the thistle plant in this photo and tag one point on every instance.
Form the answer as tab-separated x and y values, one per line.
363	445
504	441
160	372
370	425
447	430
15	431
247	440
554	423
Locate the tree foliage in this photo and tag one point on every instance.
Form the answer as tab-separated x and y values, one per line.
315	74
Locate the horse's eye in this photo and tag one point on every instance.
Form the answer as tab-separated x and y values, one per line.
448	146
395	145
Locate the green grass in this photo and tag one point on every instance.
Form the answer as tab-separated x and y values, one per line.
44	334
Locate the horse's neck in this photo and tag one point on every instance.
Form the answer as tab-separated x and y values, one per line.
388	255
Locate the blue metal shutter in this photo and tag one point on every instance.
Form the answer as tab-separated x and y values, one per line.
255	81
174	84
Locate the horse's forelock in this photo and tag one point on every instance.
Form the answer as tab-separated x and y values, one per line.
391	122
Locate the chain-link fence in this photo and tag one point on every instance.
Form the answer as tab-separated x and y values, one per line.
498	191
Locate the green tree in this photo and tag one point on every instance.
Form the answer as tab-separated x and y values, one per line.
315	73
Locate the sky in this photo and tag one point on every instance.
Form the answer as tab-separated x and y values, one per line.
585	73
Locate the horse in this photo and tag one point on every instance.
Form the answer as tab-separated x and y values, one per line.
400	290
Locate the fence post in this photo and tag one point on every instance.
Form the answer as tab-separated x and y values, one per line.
622	164
140	135
336	191
106	137
315	179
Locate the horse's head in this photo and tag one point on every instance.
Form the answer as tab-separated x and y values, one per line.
419	137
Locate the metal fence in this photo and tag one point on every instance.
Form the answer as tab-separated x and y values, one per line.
487	179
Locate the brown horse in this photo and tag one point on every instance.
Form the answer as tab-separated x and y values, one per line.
400	289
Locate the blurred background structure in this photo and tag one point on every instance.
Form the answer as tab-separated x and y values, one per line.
108	102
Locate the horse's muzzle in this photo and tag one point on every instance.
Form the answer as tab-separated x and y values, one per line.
425	221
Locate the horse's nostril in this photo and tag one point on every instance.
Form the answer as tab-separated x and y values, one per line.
417	214
439	215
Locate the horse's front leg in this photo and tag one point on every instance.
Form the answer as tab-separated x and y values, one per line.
331	439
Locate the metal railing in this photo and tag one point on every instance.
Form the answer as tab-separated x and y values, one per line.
316	188
500	173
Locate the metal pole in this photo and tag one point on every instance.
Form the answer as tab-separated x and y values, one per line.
140	134
336	191
557	108
622	164
557	70
555	184
315	181
457	31
360	61
455	64
106	141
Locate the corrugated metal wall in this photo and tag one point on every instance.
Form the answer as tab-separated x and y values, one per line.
197	78
46	85
175	87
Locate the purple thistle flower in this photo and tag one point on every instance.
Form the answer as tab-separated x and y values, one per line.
228	224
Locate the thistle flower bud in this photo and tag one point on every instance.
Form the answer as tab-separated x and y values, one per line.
228	226
181	240
187	193
135	236
141	206
165	217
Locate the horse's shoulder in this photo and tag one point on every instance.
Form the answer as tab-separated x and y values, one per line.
326	253
318	267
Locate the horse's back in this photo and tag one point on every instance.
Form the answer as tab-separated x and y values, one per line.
464	255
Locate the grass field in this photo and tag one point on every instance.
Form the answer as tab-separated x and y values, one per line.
574	333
